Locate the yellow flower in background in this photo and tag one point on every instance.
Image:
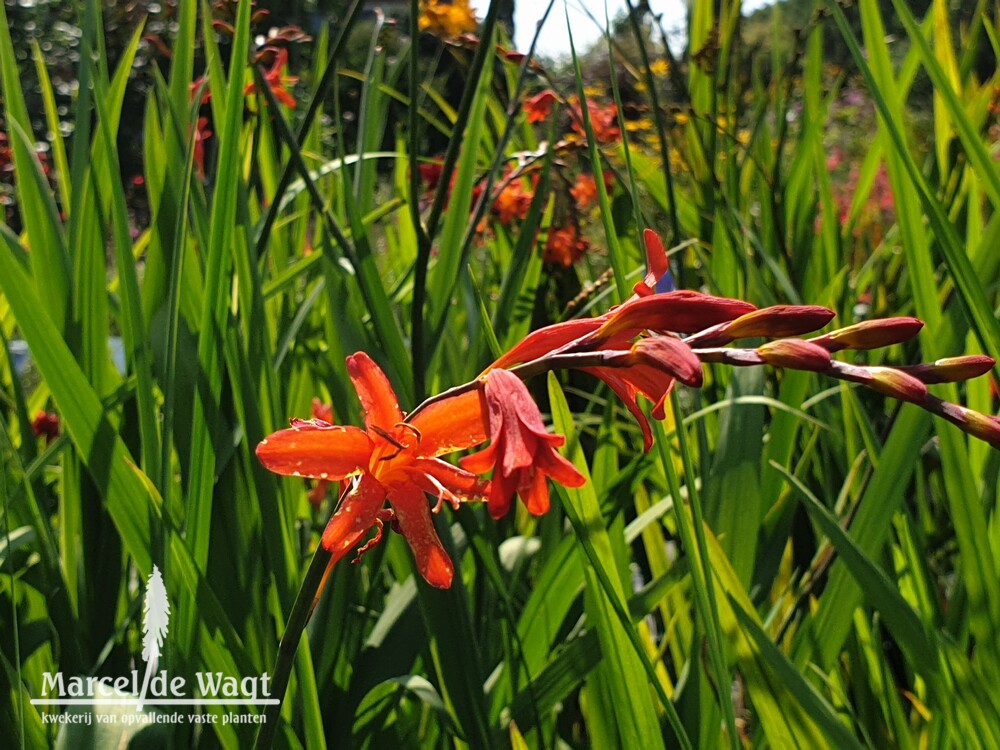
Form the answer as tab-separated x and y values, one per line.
637	126
594	91
448	19
659	67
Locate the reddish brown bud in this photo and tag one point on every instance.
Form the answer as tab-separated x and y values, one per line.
795	354
897	384
982	426
951	369
777	321
46	424
870	334
670	355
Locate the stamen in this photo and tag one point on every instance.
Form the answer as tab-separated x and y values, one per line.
443	494
387	436
386	514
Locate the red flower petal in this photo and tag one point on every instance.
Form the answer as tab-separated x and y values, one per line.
545	340
656	264
452	424
354	517
317	450
414	516
378	399
682	311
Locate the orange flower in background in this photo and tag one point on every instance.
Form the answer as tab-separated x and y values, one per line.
521	452
513	202
390	459
603	121
277	80
538	107
448	19
584	190
564	246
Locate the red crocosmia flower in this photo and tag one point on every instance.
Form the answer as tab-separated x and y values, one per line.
391	459
564	246
200	84
650	369
513	202
538	107
275	78
201	134
584	191
603	121
46	424
430	173
521	452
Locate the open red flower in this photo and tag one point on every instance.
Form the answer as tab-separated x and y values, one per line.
513	201
564	246
276	78
521	452
391	459
538	107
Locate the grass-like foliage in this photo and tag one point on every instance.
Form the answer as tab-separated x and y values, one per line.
638	401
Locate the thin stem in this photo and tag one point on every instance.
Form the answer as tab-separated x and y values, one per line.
301	611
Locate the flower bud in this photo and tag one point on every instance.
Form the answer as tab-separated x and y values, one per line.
671	355
981	426
870	334
951	369
897	384
777	321
795	354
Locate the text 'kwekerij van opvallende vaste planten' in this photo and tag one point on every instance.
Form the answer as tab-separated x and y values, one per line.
719	307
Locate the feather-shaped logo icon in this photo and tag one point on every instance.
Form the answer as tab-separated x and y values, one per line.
155	619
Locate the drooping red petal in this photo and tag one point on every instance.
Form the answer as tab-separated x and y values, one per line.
511	409
378	399
534	492
354	517
414	516
317	450
559	469
627	393
452	424
481	461
501	495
